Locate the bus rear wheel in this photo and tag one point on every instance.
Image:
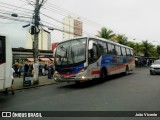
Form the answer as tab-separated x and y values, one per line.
127	70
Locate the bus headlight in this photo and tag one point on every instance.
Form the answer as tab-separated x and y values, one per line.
83	77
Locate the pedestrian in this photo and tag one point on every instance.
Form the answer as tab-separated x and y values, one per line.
49	72
19	71
12	77
12	71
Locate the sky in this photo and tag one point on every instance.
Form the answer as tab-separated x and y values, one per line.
137	19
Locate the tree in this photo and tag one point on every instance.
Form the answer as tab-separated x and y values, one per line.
148	49
106	34
122	39
158	50
138	49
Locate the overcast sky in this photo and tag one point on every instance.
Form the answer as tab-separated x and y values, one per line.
137	19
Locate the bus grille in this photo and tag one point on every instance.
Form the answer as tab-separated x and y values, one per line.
67	70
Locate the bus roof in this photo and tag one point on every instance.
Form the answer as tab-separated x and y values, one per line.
101	39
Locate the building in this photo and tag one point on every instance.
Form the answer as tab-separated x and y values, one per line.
44	40
72	27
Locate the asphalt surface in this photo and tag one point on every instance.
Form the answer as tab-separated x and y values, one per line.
139	91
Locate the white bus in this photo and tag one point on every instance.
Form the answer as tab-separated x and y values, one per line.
86	58
5	63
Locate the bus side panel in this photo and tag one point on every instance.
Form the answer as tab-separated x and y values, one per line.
94	69
8	66
2	76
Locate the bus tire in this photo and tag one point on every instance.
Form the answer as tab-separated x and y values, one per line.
127	70
103	74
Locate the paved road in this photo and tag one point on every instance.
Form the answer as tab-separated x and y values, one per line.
138	91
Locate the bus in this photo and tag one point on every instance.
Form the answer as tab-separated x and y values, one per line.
5	63
87	58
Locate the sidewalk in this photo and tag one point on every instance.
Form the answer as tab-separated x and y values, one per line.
43	80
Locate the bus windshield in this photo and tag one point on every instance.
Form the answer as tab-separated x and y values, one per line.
70	52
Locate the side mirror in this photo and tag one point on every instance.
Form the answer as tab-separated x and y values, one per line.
90	45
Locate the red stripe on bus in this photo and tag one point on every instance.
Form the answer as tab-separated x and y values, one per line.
120	67
96	72
65	75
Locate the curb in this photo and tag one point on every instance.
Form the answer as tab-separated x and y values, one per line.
33	86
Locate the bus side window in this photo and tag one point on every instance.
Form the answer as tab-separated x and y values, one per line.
109	48
123	51
128	52
131	51
114	50
118	50
93	53
102	48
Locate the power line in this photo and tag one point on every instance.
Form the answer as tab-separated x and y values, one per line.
16	7
14	19
62	11
66	24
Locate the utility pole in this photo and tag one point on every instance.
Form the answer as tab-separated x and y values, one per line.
36	30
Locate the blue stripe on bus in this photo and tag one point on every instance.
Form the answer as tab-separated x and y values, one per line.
70	70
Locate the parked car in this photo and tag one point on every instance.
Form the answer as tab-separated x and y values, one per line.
155	67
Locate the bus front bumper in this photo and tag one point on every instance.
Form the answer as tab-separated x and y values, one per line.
72	78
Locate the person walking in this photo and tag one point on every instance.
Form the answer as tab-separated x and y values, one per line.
12	71
12	77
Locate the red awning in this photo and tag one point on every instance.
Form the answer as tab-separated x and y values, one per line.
44	59
30	59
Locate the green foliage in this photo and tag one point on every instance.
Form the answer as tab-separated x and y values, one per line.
122	39
148	49
145	48
158	50
106	33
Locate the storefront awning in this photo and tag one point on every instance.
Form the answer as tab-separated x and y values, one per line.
44	59
30	59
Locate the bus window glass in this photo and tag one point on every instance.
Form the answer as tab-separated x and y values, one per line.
70	52
102	48
123	51
93	53
114	50
131	51
128	52
109	48
118	50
